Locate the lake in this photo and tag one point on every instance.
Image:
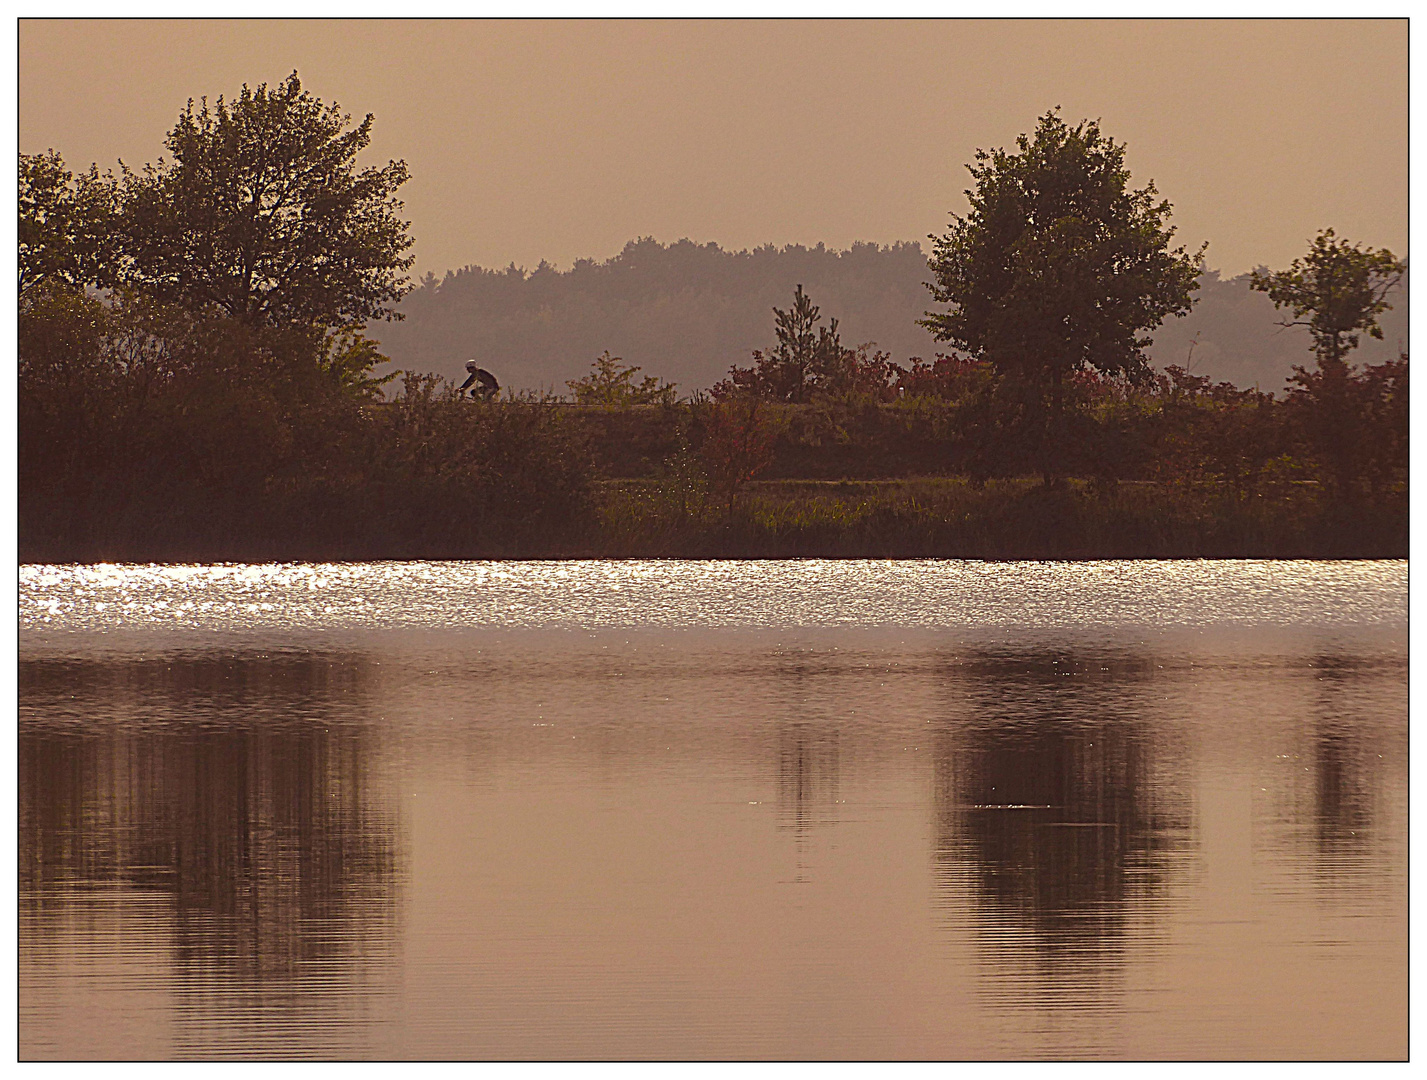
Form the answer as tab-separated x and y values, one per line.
813	809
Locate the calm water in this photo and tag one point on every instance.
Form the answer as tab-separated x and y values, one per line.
729	810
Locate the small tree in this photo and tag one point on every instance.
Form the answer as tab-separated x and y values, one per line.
1059	267
807	356
611	385
263	214
1337	291
347	356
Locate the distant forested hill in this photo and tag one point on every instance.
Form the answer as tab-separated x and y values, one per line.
686	312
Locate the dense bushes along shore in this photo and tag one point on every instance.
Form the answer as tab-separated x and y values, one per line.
147	434
196	383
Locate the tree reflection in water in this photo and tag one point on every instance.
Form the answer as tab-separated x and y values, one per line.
809	769
240	788
1059	822
1343	803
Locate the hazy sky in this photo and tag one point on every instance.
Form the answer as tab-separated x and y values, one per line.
561	140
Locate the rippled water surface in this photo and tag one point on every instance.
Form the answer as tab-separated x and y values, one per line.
729	810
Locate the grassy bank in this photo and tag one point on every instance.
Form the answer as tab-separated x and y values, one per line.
914	518
1003	519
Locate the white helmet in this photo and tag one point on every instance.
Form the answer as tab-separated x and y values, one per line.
470	365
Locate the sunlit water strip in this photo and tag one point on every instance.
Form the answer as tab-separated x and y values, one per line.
673	594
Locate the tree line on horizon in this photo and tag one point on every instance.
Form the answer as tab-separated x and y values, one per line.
196	355
688	311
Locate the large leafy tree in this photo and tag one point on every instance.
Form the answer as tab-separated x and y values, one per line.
1059	267
67	225
263	213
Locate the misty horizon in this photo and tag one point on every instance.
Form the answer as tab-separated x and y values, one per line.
688	311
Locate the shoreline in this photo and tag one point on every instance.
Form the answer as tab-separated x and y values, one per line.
926	518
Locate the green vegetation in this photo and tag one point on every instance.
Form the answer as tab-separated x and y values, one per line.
611	385
1057	271
196	382
261	215
1341	287
1002	519
147	433
67	227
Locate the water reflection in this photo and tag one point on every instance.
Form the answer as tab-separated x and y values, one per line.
550	844
809	761
241	791
1344	780
809	768
1060	816
1331	781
